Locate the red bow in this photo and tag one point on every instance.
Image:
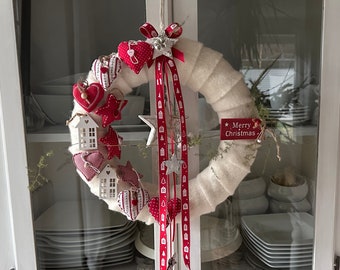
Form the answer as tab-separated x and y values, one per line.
163	42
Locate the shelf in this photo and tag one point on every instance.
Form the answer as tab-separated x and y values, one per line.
60	133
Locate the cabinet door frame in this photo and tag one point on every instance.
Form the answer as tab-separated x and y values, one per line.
328	140
14	160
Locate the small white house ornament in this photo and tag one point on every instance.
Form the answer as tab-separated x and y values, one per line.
87	133
108	183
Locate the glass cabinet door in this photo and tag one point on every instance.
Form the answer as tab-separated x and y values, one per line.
282	214
73	228
269	221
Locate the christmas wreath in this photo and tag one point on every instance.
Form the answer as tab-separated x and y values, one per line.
171	62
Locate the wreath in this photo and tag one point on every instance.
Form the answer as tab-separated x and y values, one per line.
99	101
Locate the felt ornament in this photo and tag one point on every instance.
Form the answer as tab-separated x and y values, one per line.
88	164
173	205
88	96
204	71
132	201
106	69
112	142
135	54
111	110
173	165
128	174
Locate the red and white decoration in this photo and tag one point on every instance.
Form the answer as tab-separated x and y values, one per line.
108	187
172	62
106	69
87	133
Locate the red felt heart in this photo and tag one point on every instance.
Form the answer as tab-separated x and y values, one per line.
135	54
132	201
106	69
88	164
88	97
173	205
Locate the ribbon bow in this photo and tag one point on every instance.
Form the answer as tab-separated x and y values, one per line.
163	43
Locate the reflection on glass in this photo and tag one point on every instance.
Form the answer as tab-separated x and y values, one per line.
276	45
59	41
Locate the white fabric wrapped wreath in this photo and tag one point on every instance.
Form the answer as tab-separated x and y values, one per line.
205	71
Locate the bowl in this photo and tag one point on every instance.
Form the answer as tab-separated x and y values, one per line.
57	108
288	193
50	89
253	206
251	188
285	207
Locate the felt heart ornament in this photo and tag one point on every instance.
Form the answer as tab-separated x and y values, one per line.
129	175
132	201
106	69
173	205
88	164
88	96
135	54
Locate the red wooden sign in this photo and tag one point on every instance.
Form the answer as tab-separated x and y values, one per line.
240	128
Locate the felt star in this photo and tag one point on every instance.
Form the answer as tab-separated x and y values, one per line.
111	110
112	142
151	122
128	174
173	165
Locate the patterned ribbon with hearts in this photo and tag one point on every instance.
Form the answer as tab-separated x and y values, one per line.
164	52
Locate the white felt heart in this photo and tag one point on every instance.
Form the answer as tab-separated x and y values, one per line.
106	69
132	201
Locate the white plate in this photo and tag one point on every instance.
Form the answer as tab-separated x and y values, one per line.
46	243
98	265
277	249
253	261
273	253
287	109
279	263
281	229
297	114
90	250
82	239
65	257
76	234
100	259
71	216
278	259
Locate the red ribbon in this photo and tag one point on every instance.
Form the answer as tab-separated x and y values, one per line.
163	64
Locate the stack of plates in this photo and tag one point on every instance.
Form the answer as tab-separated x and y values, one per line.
280	241
293	115
83	235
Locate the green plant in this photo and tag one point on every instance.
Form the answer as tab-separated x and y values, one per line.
35	176
261	98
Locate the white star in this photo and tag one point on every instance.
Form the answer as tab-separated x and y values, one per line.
151	122
173	165
162	44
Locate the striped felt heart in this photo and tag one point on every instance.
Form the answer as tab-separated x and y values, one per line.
132	201
106	69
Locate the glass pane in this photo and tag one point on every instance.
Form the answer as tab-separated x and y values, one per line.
74	229
268	223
